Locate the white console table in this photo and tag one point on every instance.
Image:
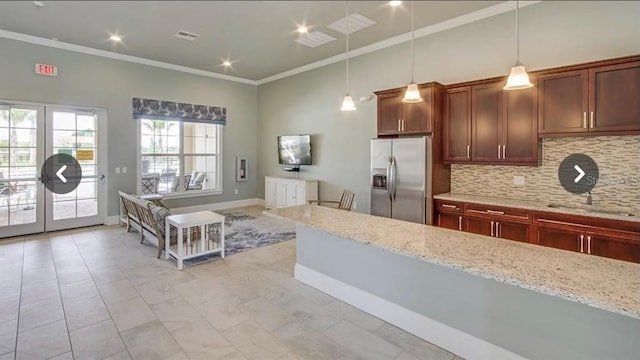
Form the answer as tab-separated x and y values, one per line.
285	192
194	247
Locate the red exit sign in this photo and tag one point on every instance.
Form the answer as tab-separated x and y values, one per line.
46	70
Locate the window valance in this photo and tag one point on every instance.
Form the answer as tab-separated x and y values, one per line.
168	110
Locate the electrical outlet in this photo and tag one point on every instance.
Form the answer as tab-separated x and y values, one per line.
117	170
124	170
518	180
235	191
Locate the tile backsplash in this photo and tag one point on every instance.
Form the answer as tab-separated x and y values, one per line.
618	159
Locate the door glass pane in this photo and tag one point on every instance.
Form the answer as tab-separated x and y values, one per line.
18	151
76	135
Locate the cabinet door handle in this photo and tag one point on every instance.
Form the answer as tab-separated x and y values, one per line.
592	121
497	229
581	243
459	222
504	150
492	230
494	212
584	119
449	206
498	151
439	220
404	128
468	149
399	125
588	244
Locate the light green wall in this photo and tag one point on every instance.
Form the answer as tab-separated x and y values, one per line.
99	82
552	34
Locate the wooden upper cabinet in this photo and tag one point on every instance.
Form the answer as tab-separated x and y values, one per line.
520	126
398	118
486	118
563	102
594	100
418	116
614	93
457	125
389	112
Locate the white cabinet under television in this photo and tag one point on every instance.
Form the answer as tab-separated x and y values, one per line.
283	192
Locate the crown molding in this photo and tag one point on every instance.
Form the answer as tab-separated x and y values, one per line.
425	31
117	56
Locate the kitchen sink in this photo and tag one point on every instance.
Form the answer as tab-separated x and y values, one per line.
590	208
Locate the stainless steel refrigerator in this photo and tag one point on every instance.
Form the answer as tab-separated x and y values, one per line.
400	179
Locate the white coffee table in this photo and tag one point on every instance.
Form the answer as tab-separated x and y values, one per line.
194	247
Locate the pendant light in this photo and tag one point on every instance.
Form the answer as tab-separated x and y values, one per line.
518	78
347	102
412	94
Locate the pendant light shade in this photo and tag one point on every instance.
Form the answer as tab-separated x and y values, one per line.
347	102
412	94
518	77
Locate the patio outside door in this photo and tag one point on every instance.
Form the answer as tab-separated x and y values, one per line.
30	134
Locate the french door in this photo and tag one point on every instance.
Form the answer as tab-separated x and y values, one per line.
29	134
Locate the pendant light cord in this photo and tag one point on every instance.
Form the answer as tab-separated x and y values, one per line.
347	31
412	36
517	32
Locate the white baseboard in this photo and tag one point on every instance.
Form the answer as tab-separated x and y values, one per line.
447	337
219	206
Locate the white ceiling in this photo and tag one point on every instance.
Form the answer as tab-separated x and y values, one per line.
258	36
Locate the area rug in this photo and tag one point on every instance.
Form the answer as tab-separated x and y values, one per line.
248	228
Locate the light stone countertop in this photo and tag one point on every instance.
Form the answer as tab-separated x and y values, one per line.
599	282
536	206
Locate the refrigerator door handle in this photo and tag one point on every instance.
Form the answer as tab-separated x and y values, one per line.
389	179
394	176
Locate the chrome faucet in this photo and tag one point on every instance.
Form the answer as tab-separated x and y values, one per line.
589	199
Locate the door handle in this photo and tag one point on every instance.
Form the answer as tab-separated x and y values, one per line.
449	206
468	148
588	244
395	176
592	121
498	151
584	119
497	229
459	222
504	151
494	212
399	126
581	243
492	230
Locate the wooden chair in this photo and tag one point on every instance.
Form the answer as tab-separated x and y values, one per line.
345	203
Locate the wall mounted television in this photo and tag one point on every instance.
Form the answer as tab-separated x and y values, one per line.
294	150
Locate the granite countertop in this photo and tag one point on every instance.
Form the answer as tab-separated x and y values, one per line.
599	282
538	206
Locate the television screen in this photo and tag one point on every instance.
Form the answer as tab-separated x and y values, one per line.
294	149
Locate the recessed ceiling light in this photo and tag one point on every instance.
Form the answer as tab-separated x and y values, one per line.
38	4
395	3
226	63
115	38
303	29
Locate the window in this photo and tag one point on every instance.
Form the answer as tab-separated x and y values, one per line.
179	157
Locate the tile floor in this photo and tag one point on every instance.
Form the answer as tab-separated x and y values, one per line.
96	293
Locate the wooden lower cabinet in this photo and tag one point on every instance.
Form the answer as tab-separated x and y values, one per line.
561	238
620	246
450	221
513	231
500	229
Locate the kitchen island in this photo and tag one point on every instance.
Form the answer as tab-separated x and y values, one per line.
477	296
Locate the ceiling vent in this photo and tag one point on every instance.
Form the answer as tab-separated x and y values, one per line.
314	39
356	22
187	35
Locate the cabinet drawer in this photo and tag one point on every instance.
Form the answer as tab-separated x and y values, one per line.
499	213
445	206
